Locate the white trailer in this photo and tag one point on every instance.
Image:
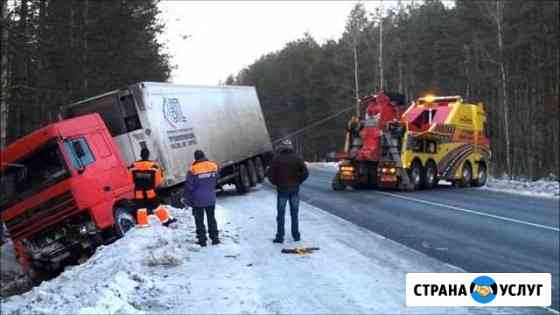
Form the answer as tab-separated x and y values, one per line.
173	121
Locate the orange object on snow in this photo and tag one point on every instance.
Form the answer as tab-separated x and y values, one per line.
162	214
142	217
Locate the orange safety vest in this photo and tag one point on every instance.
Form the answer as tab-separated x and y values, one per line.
146	176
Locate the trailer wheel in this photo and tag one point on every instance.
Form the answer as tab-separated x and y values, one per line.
416	174
242	182
252	173
124	221
430	175
259	168
482	175
466	175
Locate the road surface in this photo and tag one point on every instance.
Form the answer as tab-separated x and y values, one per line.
475	229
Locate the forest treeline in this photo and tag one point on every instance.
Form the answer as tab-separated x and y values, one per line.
58	52
502	53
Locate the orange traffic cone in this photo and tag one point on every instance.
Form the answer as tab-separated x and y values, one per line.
162	214
142	217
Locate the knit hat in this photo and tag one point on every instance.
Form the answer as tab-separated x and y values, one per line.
199	155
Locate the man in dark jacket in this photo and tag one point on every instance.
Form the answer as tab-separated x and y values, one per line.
200	194
287	171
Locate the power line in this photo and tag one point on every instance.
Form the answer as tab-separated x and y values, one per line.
315	124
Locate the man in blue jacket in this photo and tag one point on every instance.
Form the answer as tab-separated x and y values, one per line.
200	194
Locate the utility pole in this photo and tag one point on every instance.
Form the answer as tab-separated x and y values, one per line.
381	79
356	79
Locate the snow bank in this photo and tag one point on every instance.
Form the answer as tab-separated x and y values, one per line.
323	165
12	279
539	188
159	270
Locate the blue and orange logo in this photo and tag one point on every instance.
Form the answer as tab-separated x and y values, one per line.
483	289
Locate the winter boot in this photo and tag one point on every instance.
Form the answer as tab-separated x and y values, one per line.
277	240
216	241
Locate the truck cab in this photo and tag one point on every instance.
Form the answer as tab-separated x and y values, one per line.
64	190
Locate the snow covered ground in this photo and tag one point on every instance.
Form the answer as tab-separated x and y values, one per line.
333	166
540	188
12	279
161	270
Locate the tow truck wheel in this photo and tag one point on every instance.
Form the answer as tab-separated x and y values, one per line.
259	168
466	175
337	185
242	182
416	174
430	175
482	176
124	221
252	173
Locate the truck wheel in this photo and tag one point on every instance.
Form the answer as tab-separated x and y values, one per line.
430	175
242	182
37	275
466	175
124	221
416	175
259	168
252	173
337	185
482	176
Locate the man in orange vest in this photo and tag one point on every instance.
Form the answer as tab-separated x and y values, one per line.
147	176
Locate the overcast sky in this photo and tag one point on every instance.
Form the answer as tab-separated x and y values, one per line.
226	36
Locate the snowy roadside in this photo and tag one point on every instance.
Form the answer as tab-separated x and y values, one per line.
12	279
161	270
541	188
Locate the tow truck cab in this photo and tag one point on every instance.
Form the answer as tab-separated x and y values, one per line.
61	188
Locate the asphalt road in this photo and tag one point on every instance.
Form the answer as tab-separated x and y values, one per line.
474	229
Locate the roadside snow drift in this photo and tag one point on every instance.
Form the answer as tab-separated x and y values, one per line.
539	188
12	279
160	270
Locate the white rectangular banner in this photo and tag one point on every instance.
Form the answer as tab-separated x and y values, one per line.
478	289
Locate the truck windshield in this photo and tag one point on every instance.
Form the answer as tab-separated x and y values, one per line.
31	174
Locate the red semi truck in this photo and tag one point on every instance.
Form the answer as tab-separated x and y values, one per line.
64	189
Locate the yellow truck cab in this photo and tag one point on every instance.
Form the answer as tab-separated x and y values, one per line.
445	139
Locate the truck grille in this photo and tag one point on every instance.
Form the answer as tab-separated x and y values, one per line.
54	208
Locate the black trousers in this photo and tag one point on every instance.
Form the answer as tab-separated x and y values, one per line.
198	213
149	204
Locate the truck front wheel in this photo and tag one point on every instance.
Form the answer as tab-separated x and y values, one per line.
124	221
242	183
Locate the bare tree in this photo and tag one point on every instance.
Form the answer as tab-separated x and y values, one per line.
495	12
4	75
